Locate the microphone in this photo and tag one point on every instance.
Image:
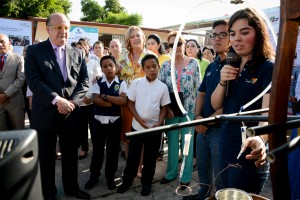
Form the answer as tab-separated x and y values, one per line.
230	58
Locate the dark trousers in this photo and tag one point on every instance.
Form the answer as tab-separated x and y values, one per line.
151	147
109	134
87	122
296	107
26	100
67	131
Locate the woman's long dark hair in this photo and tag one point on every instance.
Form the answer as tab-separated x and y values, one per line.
263	49
161	49
200	54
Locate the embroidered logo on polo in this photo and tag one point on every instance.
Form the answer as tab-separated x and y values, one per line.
117	87
252	80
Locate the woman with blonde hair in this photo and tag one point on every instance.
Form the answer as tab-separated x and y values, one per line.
131	69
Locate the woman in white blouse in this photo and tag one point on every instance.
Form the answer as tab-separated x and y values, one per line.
87	108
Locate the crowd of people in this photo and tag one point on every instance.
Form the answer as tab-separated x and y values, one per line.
107	92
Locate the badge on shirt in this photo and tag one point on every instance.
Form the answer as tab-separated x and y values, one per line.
117	87
252	80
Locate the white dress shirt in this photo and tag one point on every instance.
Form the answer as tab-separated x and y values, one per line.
148	97
94	71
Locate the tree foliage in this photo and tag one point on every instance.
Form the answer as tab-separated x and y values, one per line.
123	18
114	6
112	13
92	11
38	8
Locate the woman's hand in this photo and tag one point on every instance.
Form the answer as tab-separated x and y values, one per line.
228	73
258	152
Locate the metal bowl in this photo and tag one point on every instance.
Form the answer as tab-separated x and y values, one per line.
232	194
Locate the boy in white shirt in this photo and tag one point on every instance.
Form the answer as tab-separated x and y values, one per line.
148	98
108	96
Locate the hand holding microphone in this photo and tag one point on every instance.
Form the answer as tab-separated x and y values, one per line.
230	71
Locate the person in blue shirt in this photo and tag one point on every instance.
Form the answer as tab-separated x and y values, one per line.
251	75
208	136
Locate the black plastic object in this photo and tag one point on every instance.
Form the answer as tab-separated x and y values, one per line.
19	168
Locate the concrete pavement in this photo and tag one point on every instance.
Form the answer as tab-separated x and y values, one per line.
159	191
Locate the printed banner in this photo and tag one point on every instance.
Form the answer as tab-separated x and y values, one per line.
274	17
77	32
18	31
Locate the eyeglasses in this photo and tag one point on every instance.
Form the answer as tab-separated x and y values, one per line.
179	44
3	42
60	27
220	36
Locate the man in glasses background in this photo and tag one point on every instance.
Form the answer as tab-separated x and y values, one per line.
57	76
208	137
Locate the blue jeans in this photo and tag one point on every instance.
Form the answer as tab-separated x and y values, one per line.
207	159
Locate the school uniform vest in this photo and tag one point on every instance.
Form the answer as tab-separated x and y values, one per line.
113	90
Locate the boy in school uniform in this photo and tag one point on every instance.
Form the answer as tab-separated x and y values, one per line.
109	94
147	101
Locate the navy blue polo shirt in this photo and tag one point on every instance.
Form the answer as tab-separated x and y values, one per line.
250	83
210	81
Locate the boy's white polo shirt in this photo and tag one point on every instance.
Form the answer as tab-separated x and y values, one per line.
96	90
148	97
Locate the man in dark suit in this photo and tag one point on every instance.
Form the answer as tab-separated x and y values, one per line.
57	76
11	81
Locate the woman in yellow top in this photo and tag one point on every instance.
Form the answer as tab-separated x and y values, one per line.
192	49
130	61
154	44
131	69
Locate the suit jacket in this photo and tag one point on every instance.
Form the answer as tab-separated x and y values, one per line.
12	79
45	80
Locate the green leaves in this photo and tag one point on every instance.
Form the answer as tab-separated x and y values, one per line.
112	13
123	18
37	8
92	11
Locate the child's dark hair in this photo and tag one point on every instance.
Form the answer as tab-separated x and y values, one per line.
149	56
107	57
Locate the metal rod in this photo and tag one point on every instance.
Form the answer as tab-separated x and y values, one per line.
271	128
250	118
156	130
284	149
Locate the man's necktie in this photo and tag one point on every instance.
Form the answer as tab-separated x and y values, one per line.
61	61
1	62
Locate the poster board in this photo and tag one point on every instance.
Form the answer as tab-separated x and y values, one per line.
19	33
274	17
77	32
